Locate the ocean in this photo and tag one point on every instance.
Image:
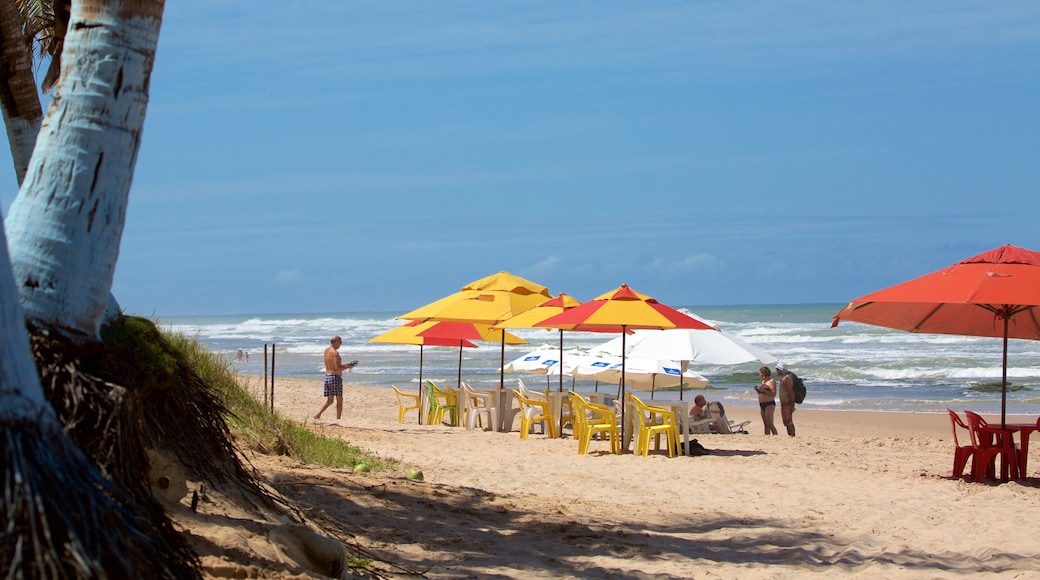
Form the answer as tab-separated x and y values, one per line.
851	367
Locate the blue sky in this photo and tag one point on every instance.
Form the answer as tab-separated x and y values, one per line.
303	156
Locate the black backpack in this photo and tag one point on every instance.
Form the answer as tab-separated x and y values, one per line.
799	388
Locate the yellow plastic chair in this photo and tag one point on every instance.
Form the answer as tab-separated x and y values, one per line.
441	402
589	419
534	411
654	422
405	402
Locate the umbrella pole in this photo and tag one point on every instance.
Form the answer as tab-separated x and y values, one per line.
502	363
1003	378
624	425
420	382
561	366
561	384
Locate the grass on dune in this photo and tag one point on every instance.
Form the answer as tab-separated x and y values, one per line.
259	429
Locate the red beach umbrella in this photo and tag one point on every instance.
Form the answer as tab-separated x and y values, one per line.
462	331
995	294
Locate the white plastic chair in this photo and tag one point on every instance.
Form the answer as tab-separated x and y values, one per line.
477	404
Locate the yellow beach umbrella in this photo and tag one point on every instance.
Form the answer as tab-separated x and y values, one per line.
488	300
491	299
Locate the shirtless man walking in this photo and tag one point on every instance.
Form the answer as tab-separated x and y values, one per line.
334	368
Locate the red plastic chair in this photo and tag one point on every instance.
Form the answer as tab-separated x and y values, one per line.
961	453
989	443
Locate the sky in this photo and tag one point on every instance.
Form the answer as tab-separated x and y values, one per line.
308	157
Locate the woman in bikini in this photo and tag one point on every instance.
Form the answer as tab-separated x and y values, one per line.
767	399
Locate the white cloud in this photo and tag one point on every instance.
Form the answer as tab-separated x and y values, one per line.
288	276
547	265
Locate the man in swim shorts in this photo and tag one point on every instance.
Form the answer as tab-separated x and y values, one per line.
786	392
334	368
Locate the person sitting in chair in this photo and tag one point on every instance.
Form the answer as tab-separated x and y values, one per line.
699	410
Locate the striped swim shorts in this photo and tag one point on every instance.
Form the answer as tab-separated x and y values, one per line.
333	386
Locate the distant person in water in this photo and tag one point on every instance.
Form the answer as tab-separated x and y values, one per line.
767	399
334	368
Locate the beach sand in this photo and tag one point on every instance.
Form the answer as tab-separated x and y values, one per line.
856	494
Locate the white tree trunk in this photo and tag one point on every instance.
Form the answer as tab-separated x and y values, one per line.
20	393
65	225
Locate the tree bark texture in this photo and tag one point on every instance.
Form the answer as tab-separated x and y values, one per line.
65	226
19	100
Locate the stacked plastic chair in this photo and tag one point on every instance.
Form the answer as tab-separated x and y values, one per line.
591	419
990	443
655	422
477	404
441	402
534	411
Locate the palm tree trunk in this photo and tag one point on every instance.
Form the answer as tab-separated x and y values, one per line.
19	100
66	223
61	518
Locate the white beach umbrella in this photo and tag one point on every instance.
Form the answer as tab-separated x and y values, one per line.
536	361
640	373
715	347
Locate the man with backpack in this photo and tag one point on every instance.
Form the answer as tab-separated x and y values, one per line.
787	396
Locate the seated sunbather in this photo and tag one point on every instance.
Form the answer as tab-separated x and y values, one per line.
700	417
699	409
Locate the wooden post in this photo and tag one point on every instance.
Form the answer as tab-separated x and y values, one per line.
265	374
272	377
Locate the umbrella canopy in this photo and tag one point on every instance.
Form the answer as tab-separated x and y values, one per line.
491	299
538	361
639	373
409	334
621	310
488	300
995	294
714	347
547	309
466	331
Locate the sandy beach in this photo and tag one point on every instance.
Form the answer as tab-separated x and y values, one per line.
856	494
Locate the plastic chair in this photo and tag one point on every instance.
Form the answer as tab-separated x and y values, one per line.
722	424
478	404
405	402
533	395
566	416
534	411
441	402
989	443
961	453
654	422
590	419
